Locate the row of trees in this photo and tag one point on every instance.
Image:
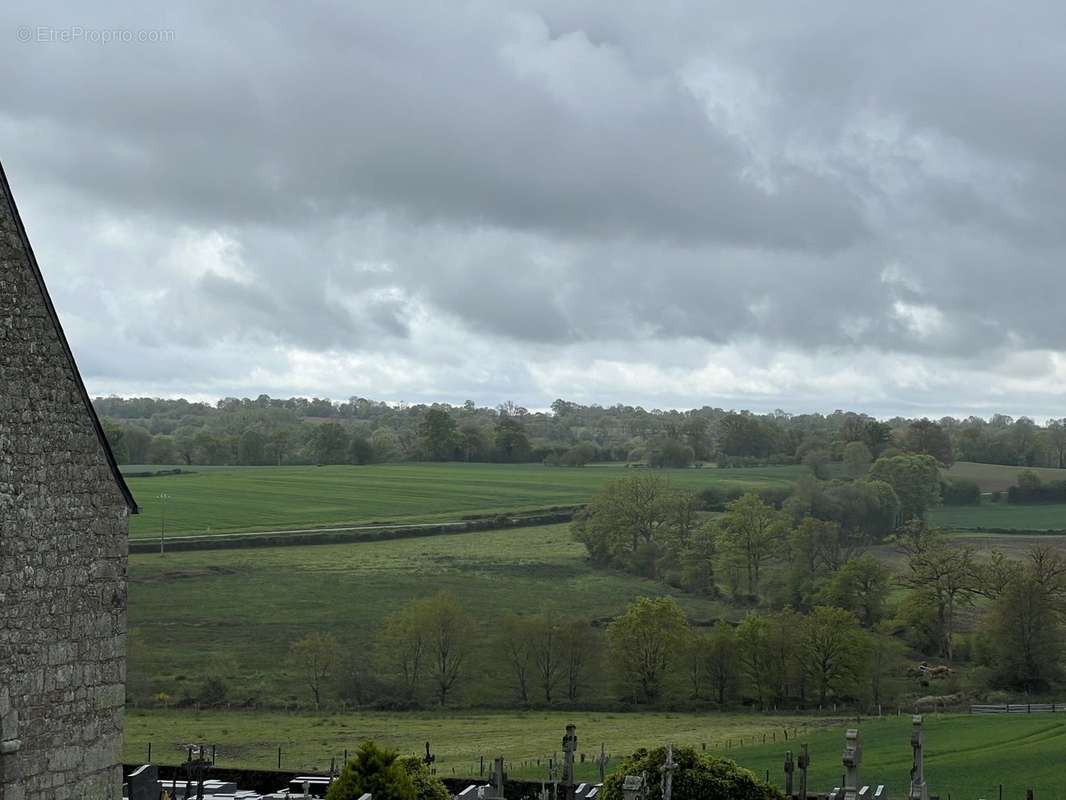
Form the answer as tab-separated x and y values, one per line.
268	430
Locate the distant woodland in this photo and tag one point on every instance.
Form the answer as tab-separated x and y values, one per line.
271	431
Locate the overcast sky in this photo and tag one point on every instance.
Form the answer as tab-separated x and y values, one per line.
806	205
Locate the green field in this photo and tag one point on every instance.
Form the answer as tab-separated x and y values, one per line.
309	741
235	612
966	757
998	477
284	498
1002	515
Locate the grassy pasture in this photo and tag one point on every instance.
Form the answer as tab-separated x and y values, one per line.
965	756
998	477
284	498
309	741
1051	516
235	612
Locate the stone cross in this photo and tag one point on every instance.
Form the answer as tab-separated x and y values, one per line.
668	773
803	762
852	759
919	790
569	748
601	762
790	766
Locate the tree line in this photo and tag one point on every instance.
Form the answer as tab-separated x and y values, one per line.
273	431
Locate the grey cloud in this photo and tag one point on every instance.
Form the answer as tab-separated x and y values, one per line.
486	192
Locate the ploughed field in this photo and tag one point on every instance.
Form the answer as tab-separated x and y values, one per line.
236	499
966	756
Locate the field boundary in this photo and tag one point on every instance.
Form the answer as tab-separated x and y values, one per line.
1019	708
362	533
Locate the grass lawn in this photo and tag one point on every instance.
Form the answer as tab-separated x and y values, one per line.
235	612
1051	516
309	741
997	477
965	756
275	498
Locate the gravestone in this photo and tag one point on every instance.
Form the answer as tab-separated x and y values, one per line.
143	783
569	748
789	768
852	759
634	787
803	762
668	773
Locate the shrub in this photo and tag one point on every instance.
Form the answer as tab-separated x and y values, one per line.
960	492
696	777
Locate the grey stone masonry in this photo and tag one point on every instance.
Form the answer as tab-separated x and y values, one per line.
63	527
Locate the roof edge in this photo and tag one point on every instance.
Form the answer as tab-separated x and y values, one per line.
100	435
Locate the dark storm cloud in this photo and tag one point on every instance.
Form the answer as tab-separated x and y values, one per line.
484	197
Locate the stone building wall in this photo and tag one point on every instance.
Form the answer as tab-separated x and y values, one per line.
63	527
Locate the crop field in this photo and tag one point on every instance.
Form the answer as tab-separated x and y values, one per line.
1003	516
997	477
965	756
284	498
234	613
309	741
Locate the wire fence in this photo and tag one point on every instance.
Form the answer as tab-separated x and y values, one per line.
1018	708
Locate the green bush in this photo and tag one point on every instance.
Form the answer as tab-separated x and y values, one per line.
376	770
696	777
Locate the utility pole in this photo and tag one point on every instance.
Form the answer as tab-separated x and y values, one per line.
163	521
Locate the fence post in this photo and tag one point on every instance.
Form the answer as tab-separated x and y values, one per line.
279	756
149	752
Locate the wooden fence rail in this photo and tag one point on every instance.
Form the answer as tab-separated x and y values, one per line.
1019	708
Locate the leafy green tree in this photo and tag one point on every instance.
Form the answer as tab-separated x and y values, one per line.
116	438
646	645
403	643
924	436
944	578
624	516
754	641
914	478
438	435
670	452
329	443
386	445
753	534
857	459
696	776
163	451
1025	628
360	451
517	643
315	657
251	448
512	444
834	651
375	770
137	441
447	629
860	586
427	785
723	668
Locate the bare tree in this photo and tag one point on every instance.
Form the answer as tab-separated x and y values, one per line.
315	655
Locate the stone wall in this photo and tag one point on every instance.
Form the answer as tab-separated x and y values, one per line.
63	527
